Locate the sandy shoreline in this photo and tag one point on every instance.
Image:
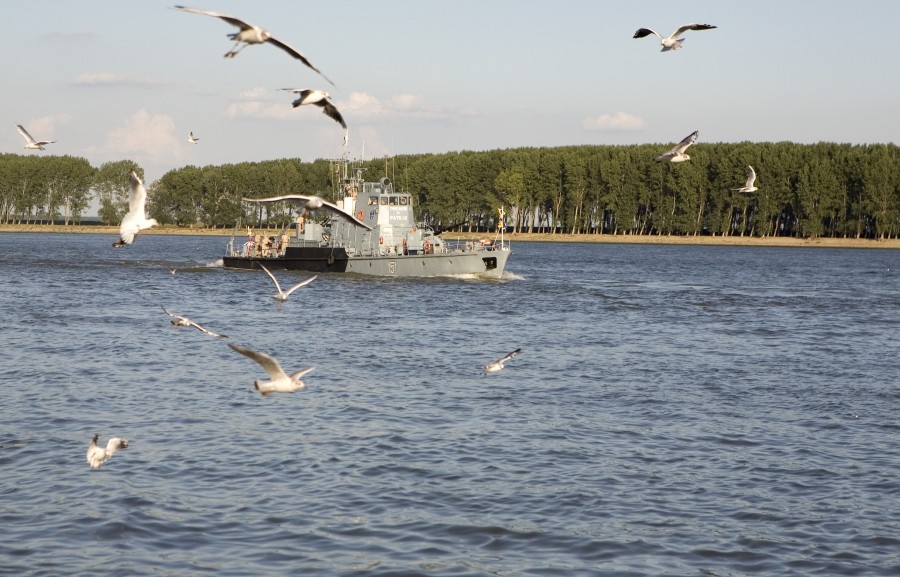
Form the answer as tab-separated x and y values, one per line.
518	237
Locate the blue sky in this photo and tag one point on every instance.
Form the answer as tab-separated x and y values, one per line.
111	79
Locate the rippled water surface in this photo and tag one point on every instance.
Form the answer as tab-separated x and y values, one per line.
674	411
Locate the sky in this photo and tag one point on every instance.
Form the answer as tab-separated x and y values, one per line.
113	80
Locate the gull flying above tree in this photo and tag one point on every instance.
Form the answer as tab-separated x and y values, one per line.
677	154
250	34
321	99
749	186
134	221
672	42
30	142
313	203
280	381
183	321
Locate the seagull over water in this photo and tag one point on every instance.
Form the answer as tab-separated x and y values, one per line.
751	179
192	139
283	295
321	99
677	154
30	142
498	364
280	382
313	203
134	221
183	321
250	34
672	42
97	455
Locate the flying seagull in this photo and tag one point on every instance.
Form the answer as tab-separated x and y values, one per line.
281	382
313	203
30	142
283	295
250	34
97	455
320	99
134	221
183	321
672	42
192	139
677	154
751	178
498	364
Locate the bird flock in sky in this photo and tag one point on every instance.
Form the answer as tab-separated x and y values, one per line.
135	220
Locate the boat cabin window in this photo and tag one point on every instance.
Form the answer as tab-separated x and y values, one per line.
404	200
384	200
393	200
373	201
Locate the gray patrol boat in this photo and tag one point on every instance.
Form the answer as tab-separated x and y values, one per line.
371	230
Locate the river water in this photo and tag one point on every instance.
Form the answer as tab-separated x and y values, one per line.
674	411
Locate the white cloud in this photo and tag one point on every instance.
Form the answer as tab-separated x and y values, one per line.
44	127
104	79
256	103
614	122
144	134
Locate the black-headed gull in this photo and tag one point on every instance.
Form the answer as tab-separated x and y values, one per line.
193	139
97	455
313	203
280	382
30	142
677	154
134	221
250	34
182	321
283	295
749	186
672	42
498	364
320	99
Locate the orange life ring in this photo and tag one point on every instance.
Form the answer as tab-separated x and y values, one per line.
360	215
380	240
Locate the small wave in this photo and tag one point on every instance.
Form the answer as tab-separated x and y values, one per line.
511	276
219	263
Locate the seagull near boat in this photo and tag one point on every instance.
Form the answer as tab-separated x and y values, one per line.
250	34
319	98
283	295
280	382
677	154
97	455
751	179
183	321
498	364
192	139
134	221
313	203
672	42
31	143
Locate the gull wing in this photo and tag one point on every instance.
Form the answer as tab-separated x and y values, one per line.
507	357
642	32
687	141
25	134
271	276
269	364
298	55
301	372
329	109
300	284
684	28
230	19
305	198
751	176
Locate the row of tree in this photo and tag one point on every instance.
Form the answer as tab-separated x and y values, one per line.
806	190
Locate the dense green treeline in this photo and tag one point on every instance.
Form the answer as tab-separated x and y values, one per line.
805	190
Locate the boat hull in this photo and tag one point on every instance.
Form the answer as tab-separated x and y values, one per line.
486	264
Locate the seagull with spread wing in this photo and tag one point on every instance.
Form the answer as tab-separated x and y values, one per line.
672	42
321	99
193	139
677	154
134	221
313	203
250	34
498	364
283	295
31	143
97	455
749	185
280	382
182	321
